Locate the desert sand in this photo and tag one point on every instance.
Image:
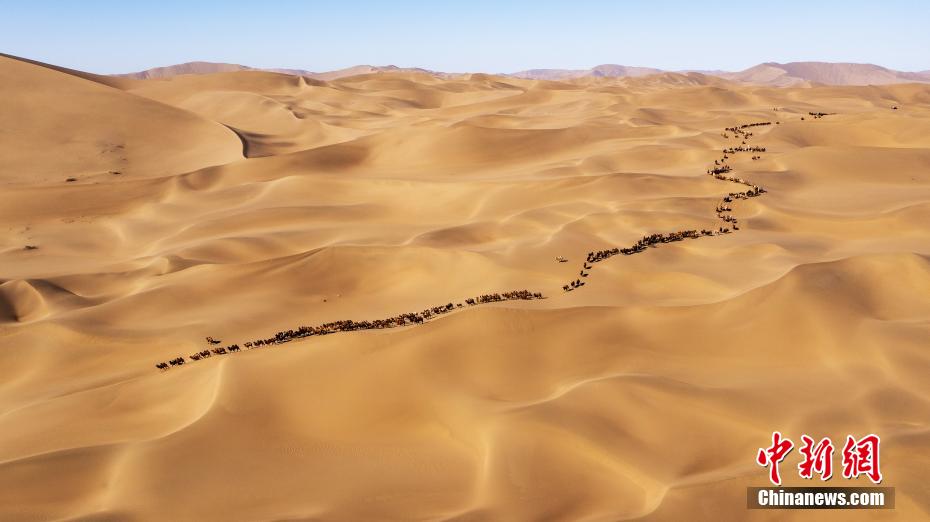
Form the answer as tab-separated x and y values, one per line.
235	205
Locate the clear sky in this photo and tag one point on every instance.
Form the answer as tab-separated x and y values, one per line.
466	36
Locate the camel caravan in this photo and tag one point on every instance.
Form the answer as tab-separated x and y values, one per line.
407	319
734	150
723	210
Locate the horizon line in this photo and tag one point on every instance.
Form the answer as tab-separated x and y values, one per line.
484	71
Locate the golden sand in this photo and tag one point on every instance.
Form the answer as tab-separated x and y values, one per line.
235	205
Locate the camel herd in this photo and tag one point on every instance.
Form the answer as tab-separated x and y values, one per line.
719	171
723	210
734	150
349	325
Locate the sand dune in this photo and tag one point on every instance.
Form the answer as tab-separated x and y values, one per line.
251	202
47	110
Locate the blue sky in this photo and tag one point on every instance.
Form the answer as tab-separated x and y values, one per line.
477	35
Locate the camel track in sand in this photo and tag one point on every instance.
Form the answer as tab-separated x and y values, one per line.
720	171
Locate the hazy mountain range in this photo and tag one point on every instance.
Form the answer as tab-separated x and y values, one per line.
770	73
213	67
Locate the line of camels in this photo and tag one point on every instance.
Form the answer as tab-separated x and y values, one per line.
720	171
348	325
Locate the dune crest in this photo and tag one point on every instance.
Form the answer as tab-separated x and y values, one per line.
21	302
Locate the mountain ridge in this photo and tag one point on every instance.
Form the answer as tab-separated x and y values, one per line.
201	67
790	74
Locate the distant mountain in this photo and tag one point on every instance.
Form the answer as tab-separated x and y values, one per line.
601	71
798	73
184	68
294	72
770	73
372	69
213	67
